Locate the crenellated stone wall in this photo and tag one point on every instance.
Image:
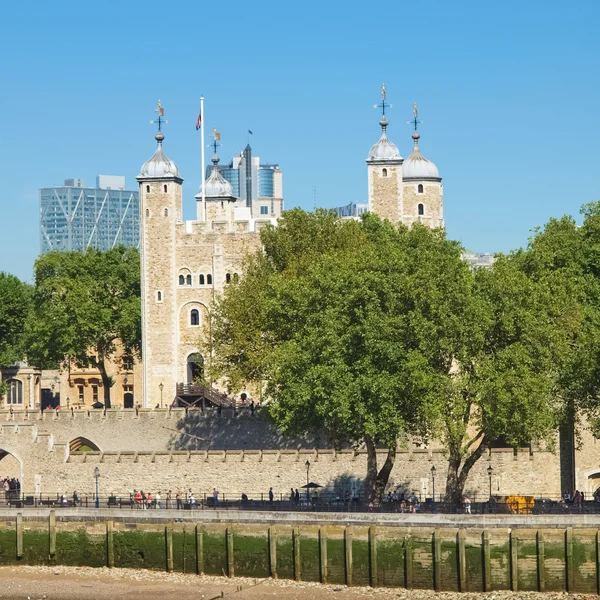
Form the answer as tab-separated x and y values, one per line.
158	450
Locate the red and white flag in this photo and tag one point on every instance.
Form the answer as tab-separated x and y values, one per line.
198	122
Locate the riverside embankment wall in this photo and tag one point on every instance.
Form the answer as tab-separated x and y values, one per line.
161	450
518	553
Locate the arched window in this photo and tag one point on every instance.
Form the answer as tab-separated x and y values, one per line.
194	317
166	212
384	172
147	189
182	280
201	278
421	210
420	188
227	277
159	296
209	279
147	212
15	392
165	188
188	280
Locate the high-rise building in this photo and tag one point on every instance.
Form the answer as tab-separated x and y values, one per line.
73	217
259	186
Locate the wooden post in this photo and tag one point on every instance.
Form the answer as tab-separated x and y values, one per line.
598	562
297	562
169	542
408	562
229	540
487	570
19	535
541	563
110	544
372	556
272	553
570	574
199	550
348	554
323	553
462	560
437	565
514	571
52	532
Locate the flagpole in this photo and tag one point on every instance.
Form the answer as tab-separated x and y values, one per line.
202	154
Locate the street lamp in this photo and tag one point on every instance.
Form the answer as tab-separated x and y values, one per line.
97	476
433	481
490	470
160	387
307	465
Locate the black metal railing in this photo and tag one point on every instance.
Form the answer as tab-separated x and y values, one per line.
323	502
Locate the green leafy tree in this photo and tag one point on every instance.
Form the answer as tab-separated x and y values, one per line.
15	306
353	326
85	303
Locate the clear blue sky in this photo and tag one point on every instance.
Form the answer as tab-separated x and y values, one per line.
508	93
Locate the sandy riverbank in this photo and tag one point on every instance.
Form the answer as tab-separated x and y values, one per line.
83	583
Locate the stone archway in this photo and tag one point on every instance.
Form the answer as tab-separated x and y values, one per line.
11	466
195	368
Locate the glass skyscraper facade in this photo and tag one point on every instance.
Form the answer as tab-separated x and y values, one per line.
73	217
258	186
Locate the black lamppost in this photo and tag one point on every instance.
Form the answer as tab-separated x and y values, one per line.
160	387
307	465
433	481
490	470
97	476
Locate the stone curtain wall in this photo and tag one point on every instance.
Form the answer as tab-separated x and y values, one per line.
465	559
162	450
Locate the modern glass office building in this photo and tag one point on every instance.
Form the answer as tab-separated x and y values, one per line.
73	217
259	186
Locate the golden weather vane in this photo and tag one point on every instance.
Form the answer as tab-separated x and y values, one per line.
415	120
383	104
160	111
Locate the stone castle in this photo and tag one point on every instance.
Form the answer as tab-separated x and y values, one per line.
158	447
185	263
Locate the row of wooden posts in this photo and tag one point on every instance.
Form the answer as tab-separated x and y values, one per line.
348	559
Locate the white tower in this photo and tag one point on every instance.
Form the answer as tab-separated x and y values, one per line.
384	165
160	211
423	192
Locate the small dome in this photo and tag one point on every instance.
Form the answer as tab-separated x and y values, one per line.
384	149
216	186
159	166
416	166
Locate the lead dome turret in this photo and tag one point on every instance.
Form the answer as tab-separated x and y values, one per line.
416	167
159	165
384	150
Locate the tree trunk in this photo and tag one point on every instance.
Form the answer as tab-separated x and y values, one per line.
457	474
377	481
106	382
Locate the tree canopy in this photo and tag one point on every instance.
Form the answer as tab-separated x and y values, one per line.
84	303
15	306
381	333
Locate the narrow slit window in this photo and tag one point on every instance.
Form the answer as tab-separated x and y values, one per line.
165	188
182	280
159	296
421	210
194	317
188	280
201	279
147	212
420	188
228	278
209	279
166	212
147	189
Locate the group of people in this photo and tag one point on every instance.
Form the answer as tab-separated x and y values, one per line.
579	497
11	487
